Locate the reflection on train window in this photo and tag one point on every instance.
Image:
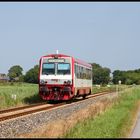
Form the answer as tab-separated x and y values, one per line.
82	72
63	68
48	68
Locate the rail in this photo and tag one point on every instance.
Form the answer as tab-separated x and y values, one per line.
25	110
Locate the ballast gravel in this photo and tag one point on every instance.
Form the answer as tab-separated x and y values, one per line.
25	124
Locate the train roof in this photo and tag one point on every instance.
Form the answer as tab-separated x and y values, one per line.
83	63
59	55
75	59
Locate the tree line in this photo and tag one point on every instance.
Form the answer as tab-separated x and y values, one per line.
15	74
127	77
100	75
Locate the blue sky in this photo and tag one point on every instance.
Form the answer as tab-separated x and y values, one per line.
107	33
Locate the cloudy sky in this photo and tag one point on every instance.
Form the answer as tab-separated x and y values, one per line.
107	33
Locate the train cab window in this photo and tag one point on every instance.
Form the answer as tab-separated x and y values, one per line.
48	68
63	68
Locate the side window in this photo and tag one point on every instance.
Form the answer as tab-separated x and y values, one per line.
89	74
75	70
81	72
86	73
78	72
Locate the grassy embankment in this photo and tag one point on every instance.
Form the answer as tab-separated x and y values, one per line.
25	94
115	122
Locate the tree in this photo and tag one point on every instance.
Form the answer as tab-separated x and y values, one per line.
119	75
15	72
127	77
100	75
31	76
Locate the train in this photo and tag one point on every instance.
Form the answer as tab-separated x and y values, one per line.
63	77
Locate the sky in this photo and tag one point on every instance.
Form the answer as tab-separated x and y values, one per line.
106	33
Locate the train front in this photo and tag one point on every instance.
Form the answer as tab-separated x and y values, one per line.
55	77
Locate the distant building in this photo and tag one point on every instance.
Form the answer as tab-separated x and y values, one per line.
3	77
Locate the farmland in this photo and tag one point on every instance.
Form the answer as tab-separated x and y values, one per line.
18	94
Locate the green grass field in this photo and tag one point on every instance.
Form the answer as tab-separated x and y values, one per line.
113	123
25	94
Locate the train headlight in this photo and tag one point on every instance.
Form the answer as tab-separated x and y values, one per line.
42	82
68	82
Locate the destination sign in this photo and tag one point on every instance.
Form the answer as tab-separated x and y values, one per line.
56	60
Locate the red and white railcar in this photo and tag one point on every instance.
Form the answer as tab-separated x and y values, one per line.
62	77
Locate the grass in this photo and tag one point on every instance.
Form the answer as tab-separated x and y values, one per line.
28	94
96	89
115	122
25	94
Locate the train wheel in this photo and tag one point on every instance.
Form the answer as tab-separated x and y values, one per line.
84	96
90	92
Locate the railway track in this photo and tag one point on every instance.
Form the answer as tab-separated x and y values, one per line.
25	110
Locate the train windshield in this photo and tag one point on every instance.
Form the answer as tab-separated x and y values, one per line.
63	68
56	68
48	68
